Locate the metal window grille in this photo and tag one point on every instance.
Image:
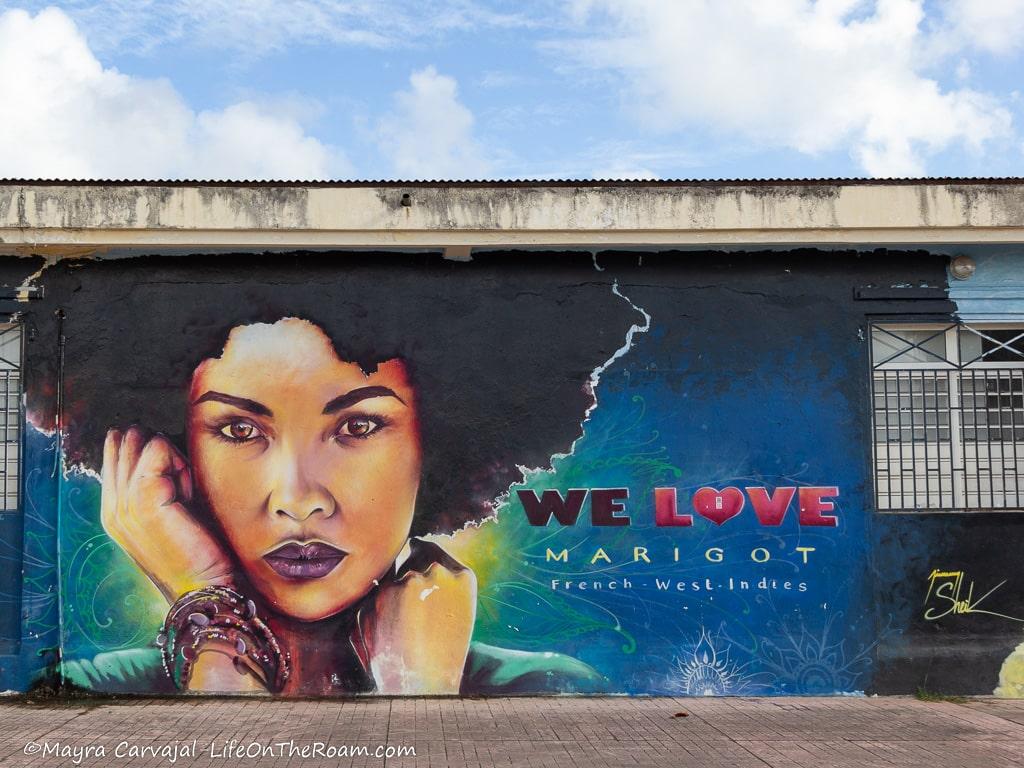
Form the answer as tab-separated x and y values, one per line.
10	415
948	416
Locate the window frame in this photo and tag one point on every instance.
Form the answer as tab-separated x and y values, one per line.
953	367
9	323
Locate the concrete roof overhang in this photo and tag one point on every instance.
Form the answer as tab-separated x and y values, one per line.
83	217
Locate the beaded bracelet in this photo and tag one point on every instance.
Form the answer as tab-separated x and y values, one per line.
216	618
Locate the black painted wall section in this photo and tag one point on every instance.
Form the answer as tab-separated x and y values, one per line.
957	653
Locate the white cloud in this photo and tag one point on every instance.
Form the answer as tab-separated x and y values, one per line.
67	116
251	28
429	134
815	77
996	26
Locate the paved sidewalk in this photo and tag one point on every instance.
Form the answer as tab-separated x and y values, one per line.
562	732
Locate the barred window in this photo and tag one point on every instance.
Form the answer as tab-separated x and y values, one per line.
948	416
10	415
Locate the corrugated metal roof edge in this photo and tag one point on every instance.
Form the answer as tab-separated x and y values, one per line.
524	183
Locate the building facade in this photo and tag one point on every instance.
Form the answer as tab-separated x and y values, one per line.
693	438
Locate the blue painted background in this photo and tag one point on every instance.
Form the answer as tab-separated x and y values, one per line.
688	427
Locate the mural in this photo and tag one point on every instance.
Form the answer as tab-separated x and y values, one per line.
531	473
277	458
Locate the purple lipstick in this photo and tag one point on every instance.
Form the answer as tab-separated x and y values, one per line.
313	560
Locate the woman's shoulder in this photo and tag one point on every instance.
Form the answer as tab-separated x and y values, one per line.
494	671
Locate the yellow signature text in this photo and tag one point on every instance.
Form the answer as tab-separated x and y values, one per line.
950	594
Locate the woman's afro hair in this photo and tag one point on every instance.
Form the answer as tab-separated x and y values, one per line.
501	350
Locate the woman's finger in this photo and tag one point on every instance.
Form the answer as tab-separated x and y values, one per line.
182	475
424	555
149	494
131	448
108	478
157	469
184	481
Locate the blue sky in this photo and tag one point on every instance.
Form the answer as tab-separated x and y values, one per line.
530	89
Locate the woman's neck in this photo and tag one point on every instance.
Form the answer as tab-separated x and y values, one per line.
316	650
323	660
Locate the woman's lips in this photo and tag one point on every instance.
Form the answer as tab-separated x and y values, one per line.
305	561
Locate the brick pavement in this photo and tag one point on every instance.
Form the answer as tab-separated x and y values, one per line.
562	732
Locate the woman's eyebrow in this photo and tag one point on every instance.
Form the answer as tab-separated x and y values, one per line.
239	402
353	397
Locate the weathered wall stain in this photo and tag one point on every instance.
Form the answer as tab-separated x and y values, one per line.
516	209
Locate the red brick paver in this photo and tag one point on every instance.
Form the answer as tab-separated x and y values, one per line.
555	732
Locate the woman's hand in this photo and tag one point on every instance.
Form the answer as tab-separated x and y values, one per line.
415	636
146	487
214	672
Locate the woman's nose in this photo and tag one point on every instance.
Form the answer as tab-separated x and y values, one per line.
297	494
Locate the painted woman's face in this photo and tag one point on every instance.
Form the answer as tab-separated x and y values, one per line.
310	466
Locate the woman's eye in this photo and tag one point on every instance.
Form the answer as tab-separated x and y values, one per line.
240	431
359	426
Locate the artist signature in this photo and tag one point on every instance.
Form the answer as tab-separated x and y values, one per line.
946	595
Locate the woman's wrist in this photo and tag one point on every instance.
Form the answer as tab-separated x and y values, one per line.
185	583
216	620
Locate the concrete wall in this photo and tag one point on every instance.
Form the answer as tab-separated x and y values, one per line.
640	471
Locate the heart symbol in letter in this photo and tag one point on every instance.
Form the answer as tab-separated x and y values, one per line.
718	506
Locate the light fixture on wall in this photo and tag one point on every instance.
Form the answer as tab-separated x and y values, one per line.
962	267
